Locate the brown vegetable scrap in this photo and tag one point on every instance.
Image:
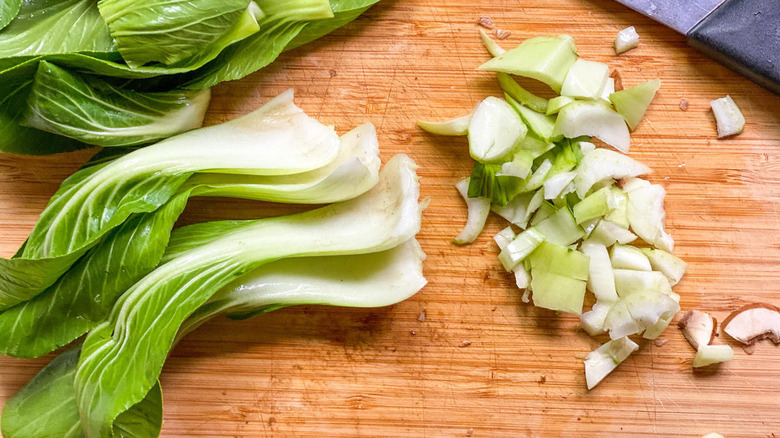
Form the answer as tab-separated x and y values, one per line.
486	22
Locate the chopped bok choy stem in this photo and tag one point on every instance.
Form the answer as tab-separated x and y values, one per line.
728	117
602	361
494	131
632	103
546	59
585	80
626	40
593	119
478	210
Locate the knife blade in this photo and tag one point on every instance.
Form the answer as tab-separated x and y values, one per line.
742	34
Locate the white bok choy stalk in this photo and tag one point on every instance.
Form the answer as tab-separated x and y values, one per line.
122	357
47	407
277	139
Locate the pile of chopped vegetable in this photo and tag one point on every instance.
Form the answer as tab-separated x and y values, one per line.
580	217
103	259
75	73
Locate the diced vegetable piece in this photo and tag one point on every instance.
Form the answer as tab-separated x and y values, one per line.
492	47
457	126
607	233
478	210
494	130
520	94
561	228
557	292
712	354
728	116
626	40
602	361
521	247
592	321
647	215
629	257
539	176
586	146
601	280
520	165
593	206
632	103
593	119
628	281
558	277
555	185
619	321
543	58
559	260
670	265
648	307
518	210
540	124
522	278
556	103
603	164
486	183
536	146
585	80
618	205
655	330
609	88
754	322
543	212
504	237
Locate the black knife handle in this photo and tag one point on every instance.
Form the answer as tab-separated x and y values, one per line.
744	35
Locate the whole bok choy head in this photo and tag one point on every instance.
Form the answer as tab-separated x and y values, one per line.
84	295
47	406
122	358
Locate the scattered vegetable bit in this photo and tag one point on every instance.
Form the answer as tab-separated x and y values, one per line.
728	117
712	354
478	210
698	327
602	361
754	322
632	103
585	80
455	127
626	40
684	104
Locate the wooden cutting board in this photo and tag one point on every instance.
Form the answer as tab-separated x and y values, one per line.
329	372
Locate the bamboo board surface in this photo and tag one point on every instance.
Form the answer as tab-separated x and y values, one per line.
329	372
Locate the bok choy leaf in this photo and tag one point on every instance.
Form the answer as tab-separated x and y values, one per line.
46	407
96	112
9	9
119	365
169	31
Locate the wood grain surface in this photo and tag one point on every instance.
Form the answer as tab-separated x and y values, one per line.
329	372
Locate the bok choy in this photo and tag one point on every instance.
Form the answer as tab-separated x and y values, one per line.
85	294
122	357
46	406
